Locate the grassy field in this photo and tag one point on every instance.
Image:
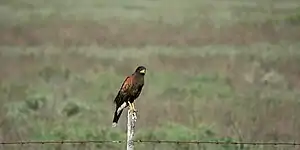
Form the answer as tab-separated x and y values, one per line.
225	70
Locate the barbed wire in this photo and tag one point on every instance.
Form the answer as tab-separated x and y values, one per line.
150	141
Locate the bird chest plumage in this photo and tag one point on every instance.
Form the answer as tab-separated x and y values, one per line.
137	85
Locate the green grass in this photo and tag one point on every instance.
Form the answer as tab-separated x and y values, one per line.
217	71
57	99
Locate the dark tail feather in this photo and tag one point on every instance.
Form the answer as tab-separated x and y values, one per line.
119	100
116	117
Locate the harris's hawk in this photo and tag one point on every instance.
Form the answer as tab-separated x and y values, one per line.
129	91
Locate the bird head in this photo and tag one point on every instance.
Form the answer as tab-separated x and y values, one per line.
141	70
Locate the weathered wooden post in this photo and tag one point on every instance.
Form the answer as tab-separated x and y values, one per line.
131	119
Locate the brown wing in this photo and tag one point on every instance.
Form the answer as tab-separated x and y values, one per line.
123	92
127	84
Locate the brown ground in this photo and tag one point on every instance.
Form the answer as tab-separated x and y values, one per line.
139	34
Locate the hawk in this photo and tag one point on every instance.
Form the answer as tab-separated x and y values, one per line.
129	91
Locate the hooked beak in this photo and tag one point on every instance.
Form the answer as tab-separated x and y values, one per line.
143	71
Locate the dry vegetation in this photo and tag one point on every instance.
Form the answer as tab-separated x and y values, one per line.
110	34
218	70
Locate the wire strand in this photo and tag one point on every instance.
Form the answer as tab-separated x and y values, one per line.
150	141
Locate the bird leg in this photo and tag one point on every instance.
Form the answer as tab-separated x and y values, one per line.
131	107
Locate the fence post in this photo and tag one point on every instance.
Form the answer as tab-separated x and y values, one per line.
131	119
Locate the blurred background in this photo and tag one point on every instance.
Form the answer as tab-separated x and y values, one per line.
225	70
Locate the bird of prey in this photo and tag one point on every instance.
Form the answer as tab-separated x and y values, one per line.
129	91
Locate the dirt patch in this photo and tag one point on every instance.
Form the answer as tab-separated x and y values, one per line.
140	34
